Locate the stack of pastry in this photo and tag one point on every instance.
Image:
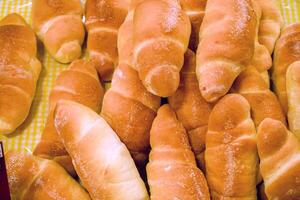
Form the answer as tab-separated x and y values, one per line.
223	133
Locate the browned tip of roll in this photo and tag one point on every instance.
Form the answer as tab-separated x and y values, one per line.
229	112
162	81
271	135
68	52
13	19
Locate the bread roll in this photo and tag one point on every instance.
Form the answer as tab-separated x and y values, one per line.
19	71
261	59
127	106
286	52
130	110
172	172
35	178
231	155
191	108
161	32
195	10
293	96
125	37
226	47
270	23
103	19
59	25
101	160
263	102
279	152
78	83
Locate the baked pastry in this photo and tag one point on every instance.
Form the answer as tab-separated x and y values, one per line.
271	23
263	102
161	32
227	38
59	25
279	152
231	158
34	178
286	52
19	71
172	172
191	108
127	106
130	110
103	19
293	92
195	10
261	59
101	160
78	83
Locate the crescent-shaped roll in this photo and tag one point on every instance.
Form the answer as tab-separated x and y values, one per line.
101	160
293	97
130	110
59	25
261	59
195	10
271	23
227	38
78	83
19	71
172	172
127	106
279	152
231	158
34	178
286	52
161	32
103	19
263	102
191	108
125	40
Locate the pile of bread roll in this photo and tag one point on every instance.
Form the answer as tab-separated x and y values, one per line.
190	113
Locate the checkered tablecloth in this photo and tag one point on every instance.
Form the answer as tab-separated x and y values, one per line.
27	136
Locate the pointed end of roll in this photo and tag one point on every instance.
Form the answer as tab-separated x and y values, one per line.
162	81
13	19
228	113
70	120
271	136
68	52
167	130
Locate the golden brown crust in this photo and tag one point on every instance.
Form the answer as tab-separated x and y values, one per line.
103	19
270	23
101	160
13	19
125	40
58	24
226	47
172	172
34	178
127	106
161	33
231	155
293	92
191	108
130	110
195	10
263	102
78	83
279	152
19	71
286	52
261	59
